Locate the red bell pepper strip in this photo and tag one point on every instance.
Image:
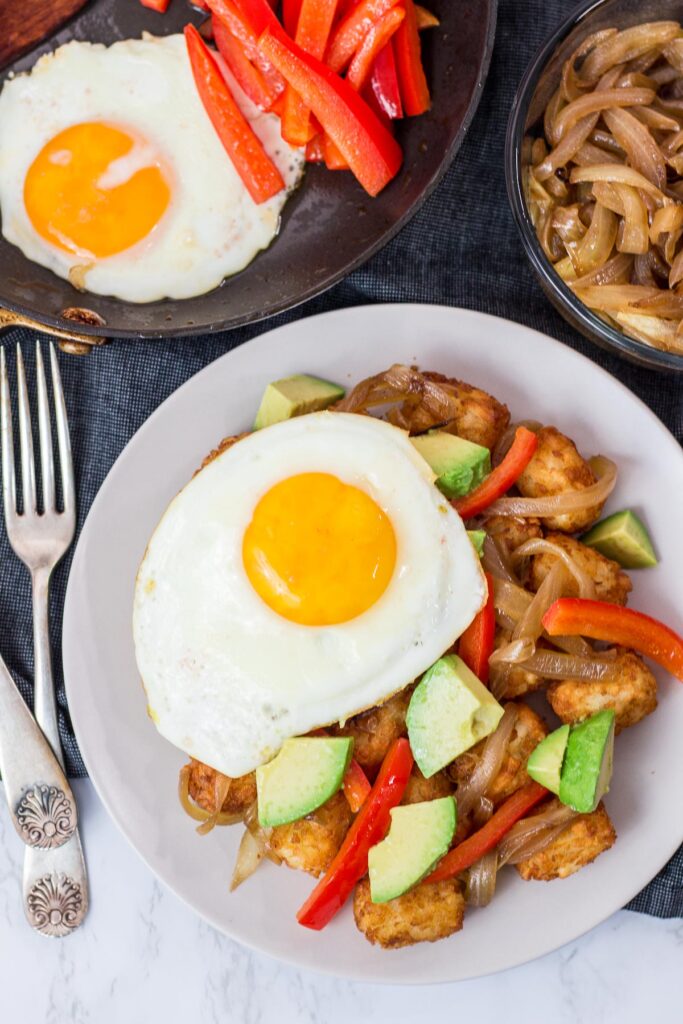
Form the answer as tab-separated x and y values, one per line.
315	150
600	620
371	152
230	14
384	82
411	76
352	30
156	5
356	786
290	15
247	75
377	38
334	161
260	16
312	32
472	849
476	643
368	828
501	478
259	174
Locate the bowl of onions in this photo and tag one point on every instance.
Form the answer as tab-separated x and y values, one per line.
594	165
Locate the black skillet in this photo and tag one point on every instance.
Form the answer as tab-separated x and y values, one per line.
329	227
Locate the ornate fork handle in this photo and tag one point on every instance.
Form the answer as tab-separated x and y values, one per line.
41	802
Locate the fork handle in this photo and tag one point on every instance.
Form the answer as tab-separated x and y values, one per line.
41	803
44	701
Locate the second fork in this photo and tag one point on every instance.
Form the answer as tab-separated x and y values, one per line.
55	881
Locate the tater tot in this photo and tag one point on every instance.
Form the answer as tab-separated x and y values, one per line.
611	582
311	843
375	730
241	791
632	695
557	467
579	844
427	913
420	789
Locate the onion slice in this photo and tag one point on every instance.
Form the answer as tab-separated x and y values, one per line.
531	835
470	792
207	818
249	856
560	665
569	501
538	546
481	880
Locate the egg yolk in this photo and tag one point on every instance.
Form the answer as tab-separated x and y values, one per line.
95	190
319	551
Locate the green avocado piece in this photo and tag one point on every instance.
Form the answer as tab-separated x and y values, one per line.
624	538
477	537
450	710
587	767
419	836
459	464
307	771
545	762
295	396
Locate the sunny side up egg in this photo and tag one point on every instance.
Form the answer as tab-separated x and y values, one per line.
112	175
307	573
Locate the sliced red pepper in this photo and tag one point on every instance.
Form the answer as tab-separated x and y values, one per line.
259	174
247	75
352	30
334	160
502	477
230	14
315	149
368	828
600	620
425	19
411	76
156	5
312	32
384	82
290	15
260	16
377	38
356	786
372	153
476	643
472	849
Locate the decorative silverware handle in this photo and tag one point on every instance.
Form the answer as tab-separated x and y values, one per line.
41	803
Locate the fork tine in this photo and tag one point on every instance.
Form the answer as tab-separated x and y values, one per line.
28	469
45	432
63	438
8	482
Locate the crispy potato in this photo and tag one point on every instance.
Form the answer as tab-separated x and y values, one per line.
611	582
241	792
478	416
558	467
374	731
632	696
419	788
222	446
311	843
513	531
518	681
528	731
427	913
579	844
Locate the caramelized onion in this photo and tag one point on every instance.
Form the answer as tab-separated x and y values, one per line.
207	818
625	46
249	855
568	501
481	880
642	151
560	665
495	562
470	792
531	835
538	546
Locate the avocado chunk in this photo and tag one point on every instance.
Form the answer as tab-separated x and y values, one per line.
307	771
545	762
295	396
587	767
419	836
459	465
623	538
449	712
477	537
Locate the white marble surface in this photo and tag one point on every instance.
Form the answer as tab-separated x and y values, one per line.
142	957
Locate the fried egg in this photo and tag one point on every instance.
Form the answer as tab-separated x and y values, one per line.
111	173
305	574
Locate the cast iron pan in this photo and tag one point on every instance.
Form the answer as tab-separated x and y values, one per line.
329	227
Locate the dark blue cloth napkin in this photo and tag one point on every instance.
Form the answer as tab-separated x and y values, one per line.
461	249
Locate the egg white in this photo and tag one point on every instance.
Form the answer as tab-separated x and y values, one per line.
211	229
227	678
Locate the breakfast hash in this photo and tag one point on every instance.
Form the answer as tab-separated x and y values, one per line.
349	619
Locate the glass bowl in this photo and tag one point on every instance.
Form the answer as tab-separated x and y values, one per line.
536	88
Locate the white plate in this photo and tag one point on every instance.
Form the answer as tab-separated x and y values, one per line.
135	770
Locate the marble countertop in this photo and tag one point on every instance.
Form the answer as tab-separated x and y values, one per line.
142	957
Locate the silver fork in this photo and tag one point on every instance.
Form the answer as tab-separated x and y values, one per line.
55	883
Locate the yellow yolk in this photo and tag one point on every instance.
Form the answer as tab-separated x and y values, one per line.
319	551
79	199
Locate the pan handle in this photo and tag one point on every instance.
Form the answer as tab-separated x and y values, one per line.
69	341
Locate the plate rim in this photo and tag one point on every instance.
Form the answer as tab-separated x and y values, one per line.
68	632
